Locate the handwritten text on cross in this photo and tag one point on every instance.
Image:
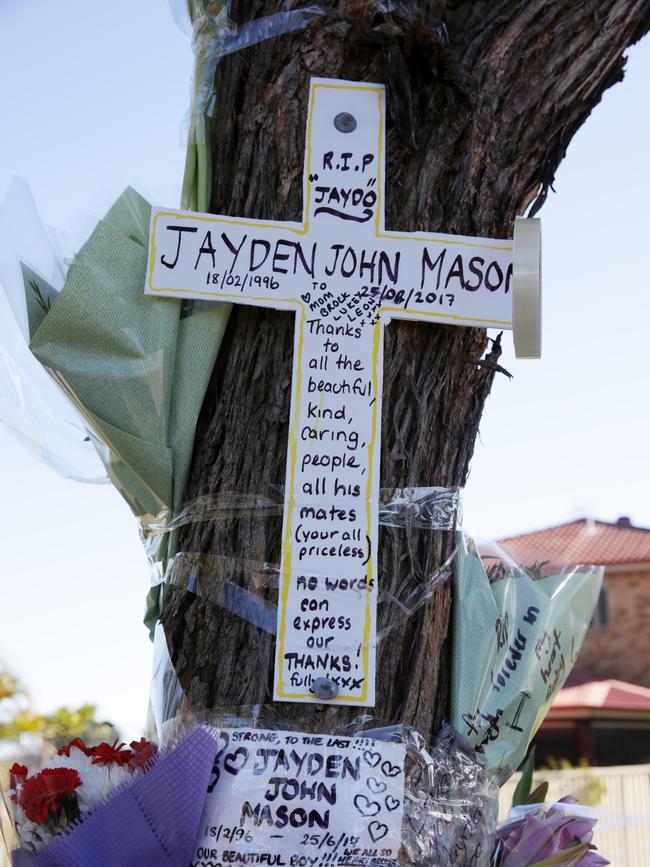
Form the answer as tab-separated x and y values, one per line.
345	277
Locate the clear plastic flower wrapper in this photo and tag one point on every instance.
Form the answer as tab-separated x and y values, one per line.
134	369
517	631
109	804
98	379
32	406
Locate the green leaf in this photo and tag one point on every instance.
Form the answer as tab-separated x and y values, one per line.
44	303
525	784
538	795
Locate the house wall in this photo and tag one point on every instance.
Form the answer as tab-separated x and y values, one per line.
621	649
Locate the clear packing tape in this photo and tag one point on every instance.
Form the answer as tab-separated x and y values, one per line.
417	548
420	508
214	36
406	508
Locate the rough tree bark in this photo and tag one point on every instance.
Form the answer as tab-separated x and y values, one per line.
476	129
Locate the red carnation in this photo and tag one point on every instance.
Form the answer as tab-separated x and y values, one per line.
143	751
108	754
46	793
17	774
79	744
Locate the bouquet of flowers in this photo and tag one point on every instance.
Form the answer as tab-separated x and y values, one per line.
536	835
111	804
543	836
69	785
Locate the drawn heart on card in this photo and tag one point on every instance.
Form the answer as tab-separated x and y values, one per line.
377	830
223	739
390	770
306	297
365	806
372	758
376	786
234	762
392	803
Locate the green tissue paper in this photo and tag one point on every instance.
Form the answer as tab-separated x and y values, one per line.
135	366
515	640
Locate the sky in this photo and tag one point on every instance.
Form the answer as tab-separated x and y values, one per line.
94	97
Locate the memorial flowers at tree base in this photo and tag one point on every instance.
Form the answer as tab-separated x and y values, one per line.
46	803
111	804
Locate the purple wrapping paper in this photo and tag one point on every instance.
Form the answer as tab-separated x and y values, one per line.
153	822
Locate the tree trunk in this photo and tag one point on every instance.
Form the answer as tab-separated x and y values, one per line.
477	126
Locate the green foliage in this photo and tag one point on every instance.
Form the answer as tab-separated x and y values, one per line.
44	303
59	727
525	784
538	795
9	686
18	720
499	570
209	22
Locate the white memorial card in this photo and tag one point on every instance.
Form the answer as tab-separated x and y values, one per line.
298	800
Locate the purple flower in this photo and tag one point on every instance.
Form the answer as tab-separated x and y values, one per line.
541	834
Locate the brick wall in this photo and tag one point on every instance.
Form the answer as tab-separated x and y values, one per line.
621	649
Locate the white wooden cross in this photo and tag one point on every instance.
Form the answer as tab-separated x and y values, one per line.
345	277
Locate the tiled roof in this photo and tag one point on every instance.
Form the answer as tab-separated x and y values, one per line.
584	541
603	694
